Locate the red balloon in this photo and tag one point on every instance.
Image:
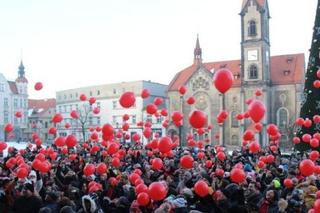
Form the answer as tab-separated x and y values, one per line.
125	117
74	114
127	99
306	167
44	167
59	141
219	172
115	162
296	140
258	126
223	80
254	147
239	116
191	100
261	164
316	206
133	177
201	188
143	199
270	159
92	100
176	116
3	146
157	191
113	148
221	156
306	138
101	168
197	119
272	129
237	175
141	188
96	110
52	131
316	119
145	93
151	109
307	123
147	132
157	164
89	169
22	172
165	144
164	112
314	143
38	142
158	101
256	110
288	183
316	84
186	162
8	128
314	155
57	118
38	86
71	141
209	164
107	130
258	92
182	90
18	114
248	135
300	121
83	97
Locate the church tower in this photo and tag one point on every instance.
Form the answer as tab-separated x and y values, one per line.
255	55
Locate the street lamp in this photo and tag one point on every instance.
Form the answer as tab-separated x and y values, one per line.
180	126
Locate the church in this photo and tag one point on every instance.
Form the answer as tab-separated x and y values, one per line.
280	78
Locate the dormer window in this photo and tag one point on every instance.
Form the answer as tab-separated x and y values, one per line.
236	75
252	28
289	60
223	66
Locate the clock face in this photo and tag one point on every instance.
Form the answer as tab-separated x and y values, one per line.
252	55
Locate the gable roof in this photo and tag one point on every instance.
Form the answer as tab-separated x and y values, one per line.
284	69
13	87
41	106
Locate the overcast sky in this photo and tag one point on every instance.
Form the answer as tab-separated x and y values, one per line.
73	43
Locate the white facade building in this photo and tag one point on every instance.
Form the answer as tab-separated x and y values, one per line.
14	98
107	99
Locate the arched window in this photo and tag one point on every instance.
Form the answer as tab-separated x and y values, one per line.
282	117
253	71
234	121
252	28
234	140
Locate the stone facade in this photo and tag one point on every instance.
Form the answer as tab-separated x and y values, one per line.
280	78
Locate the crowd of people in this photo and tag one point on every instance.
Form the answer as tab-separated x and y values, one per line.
69	187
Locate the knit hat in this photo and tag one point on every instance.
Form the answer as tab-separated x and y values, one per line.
276	184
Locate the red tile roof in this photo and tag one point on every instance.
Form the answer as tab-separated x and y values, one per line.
13	87
41	103
285	69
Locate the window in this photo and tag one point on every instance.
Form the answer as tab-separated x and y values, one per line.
234	140
252	28
25	103
1	87
98	104
159	119
6	117
253	72
46	124
15	120
70	95
134	119
282	117
90	93
234	121
64	108
98	92
65	96
114	119
114	104
60	109
90	120
5	102
76	95
98	120
21	103
149	118
114	91
15	103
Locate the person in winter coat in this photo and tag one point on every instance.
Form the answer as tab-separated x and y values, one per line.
269	203
90	204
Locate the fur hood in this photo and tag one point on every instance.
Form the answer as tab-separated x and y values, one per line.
94	206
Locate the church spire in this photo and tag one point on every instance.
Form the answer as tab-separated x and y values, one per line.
197	52
21	70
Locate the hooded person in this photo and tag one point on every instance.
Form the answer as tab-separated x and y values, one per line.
35	178
90	204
